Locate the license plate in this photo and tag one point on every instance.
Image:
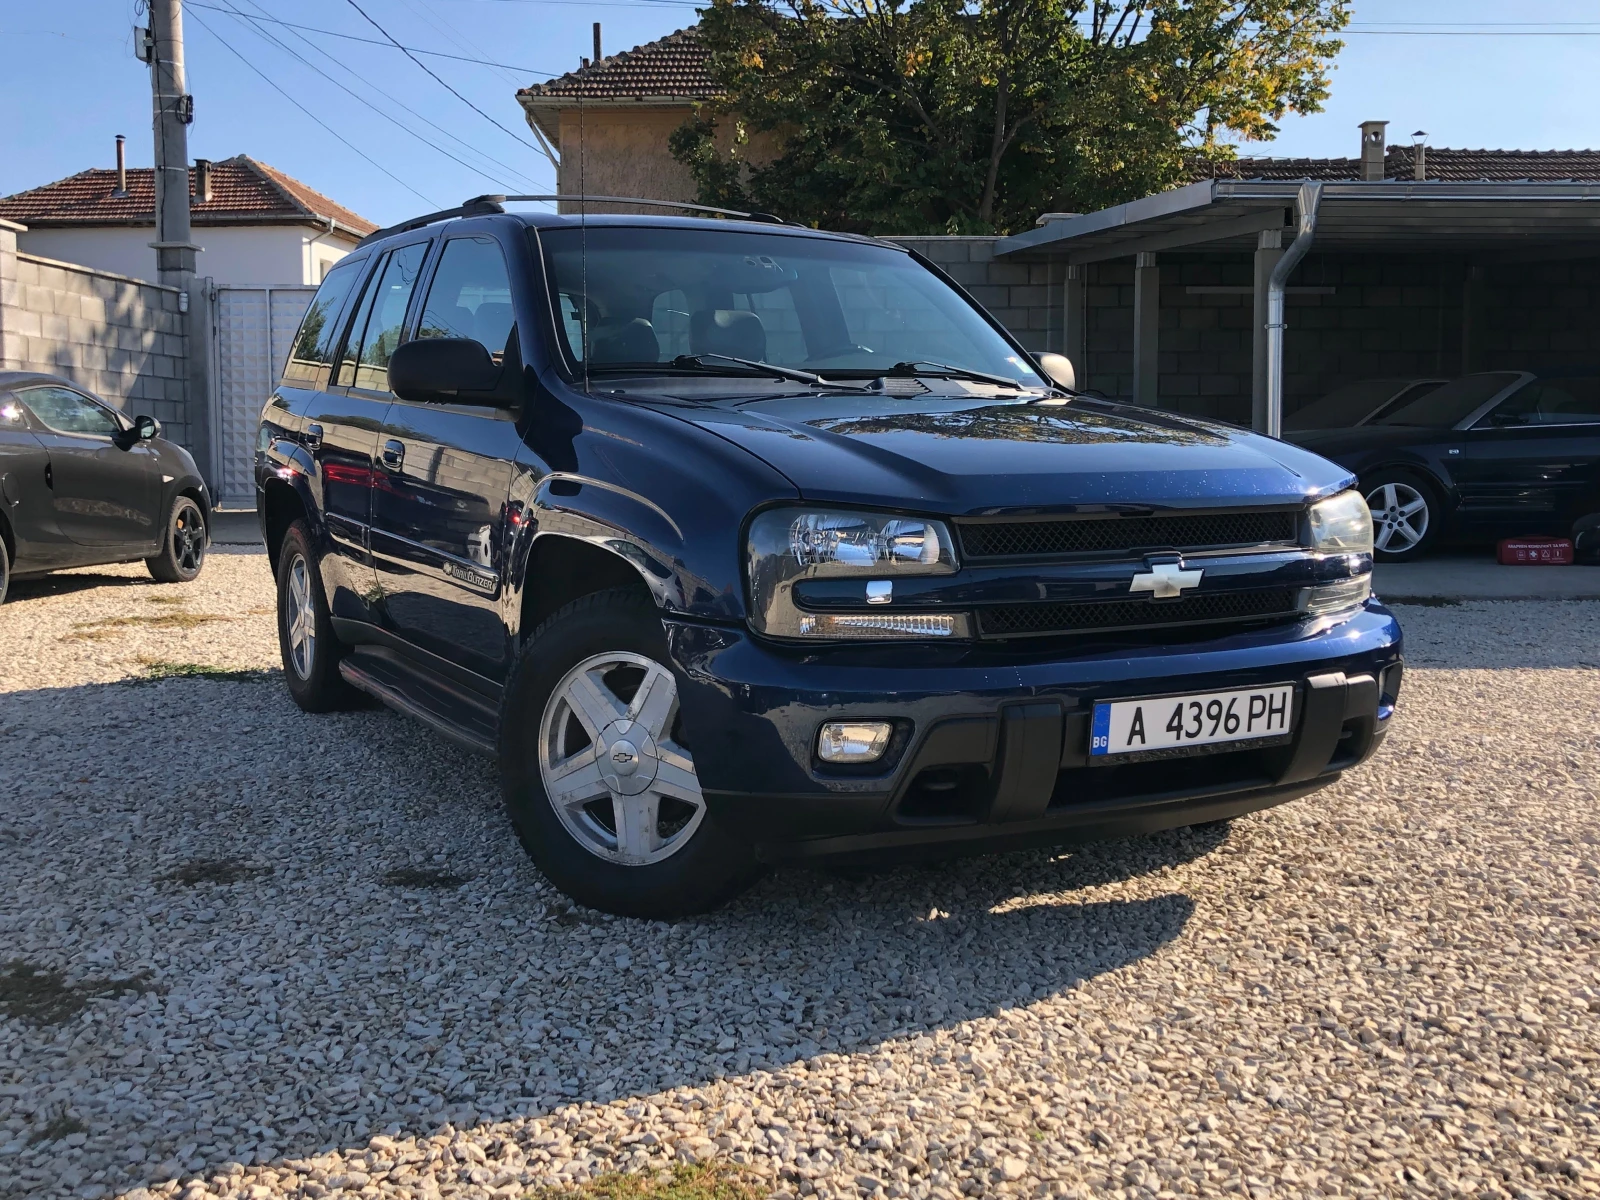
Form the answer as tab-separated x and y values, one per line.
1177	722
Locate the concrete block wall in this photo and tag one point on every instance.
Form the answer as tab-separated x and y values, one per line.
1024	297
1538	315
122	338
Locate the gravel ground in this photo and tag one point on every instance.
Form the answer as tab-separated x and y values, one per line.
248	952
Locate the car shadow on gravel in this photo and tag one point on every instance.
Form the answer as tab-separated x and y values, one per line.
339	995
68	583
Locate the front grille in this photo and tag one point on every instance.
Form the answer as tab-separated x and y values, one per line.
1094	616
1127	535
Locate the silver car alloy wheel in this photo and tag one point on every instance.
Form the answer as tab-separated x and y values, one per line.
300	621
620	784
1399	517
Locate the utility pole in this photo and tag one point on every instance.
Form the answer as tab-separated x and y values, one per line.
172	110
186	400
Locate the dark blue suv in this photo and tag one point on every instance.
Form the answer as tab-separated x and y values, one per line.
736	542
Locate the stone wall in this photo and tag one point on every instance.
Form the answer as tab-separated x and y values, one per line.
122	338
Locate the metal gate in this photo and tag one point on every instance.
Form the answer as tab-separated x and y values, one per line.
253	327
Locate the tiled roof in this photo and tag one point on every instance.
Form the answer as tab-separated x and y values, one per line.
675	67
242	191
1449	166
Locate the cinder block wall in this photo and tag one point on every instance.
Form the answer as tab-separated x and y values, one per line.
122	338
1024	297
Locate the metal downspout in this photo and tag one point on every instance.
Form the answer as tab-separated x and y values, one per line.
1305	203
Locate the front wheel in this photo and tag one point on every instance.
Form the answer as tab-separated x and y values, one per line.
183	550
598	781
5	570
1406	515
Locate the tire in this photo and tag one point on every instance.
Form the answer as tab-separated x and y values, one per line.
183	552
5	570
1402	532
589	708
311	652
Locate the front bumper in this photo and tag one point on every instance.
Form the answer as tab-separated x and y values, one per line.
991	744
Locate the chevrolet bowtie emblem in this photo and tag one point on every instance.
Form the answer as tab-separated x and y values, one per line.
1166	580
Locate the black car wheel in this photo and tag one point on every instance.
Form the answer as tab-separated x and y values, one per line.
1406	514
599	785
183	552
311	652
5	570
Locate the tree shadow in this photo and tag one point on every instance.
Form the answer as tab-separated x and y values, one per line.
326	986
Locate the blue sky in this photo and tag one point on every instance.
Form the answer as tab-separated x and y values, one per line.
72	79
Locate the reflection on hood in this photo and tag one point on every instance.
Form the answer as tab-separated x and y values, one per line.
1017	423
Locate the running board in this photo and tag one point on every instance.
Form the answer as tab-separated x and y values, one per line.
464	719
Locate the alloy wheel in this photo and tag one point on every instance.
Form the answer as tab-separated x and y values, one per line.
1399	517
188	539
301	618
616	776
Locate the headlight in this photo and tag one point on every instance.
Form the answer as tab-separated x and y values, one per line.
1342	524
789	546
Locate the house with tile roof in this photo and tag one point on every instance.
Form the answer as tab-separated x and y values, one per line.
254	224
611	119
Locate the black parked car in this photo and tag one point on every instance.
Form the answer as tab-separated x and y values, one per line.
736	542
1490	455
82	485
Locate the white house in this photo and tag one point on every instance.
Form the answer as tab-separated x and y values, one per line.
254	224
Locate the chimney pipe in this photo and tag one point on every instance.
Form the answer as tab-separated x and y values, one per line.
1373	140
202	179
121	190
597	54
1419	156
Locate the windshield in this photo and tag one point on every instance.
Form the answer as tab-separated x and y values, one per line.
1451	404
633	297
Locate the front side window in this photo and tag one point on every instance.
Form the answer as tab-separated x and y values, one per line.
470	296
319	329
376	330
1449	405
1556	401
632	297
65	411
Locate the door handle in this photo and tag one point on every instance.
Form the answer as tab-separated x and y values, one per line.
312	437
394	454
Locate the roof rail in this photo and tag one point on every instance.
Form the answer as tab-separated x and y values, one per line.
769	218
476	207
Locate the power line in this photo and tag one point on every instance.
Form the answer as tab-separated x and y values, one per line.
447	87
475	169
228	46
351	37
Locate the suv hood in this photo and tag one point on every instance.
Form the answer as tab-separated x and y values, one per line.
964	455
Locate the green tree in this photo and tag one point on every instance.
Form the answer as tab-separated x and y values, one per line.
940	116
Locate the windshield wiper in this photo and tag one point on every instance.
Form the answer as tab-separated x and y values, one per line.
773	369
914	367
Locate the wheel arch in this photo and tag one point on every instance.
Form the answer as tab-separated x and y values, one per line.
9	537
561	568
283	506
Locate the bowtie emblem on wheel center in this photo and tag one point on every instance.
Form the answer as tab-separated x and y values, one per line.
1166	580
627	758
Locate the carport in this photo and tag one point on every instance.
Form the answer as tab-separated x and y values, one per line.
1168	300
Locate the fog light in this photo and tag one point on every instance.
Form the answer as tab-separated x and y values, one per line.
1338	597
853	741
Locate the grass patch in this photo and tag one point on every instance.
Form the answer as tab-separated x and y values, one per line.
213	870
44	997
56	1128
156	669
703	1181
422	877
94	631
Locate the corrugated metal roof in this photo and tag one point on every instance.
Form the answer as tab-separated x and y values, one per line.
676	67
1440	163
242	190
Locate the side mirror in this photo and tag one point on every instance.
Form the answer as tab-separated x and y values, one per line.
145	428
437	370
1058	369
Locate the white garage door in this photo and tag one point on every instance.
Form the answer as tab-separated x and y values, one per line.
254	328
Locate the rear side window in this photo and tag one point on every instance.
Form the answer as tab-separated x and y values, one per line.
64	411
470	296
378	325
319	330
1558	401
